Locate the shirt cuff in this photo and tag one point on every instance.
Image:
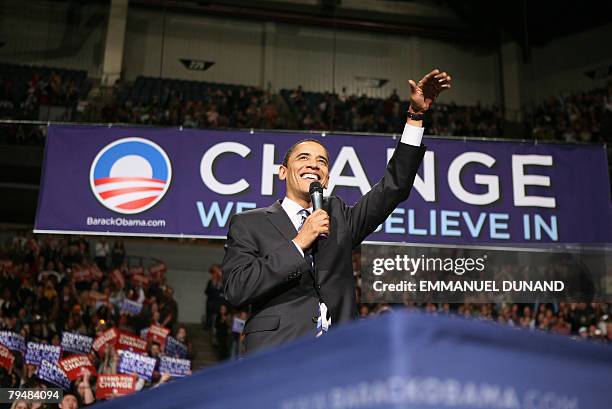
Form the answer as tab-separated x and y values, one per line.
299	248
412	135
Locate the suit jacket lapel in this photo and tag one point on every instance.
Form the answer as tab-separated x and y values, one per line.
278	217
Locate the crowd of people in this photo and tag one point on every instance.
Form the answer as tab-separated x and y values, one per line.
236	107
353	113
21	98
590	321
576	319
578	117
51	286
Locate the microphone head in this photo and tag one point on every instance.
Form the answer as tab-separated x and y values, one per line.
315	187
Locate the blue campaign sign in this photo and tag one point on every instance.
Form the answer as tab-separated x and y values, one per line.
402	360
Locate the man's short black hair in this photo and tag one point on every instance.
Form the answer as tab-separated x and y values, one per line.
72	391
292	148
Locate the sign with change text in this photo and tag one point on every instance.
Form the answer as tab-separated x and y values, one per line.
75	365
130	342
175	366
51	372
13	341
189	183
136	364
76	343
38	352
108	337
175	348
115	385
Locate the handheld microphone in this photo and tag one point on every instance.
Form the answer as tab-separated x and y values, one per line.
316	197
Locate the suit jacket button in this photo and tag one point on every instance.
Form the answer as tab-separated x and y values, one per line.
315	319
318	286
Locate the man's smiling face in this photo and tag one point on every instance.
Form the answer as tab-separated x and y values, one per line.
308	162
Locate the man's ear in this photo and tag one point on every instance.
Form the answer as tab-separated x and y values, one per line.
282	172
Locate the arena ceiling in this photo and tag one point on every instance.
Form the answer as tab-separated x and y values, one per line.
483	22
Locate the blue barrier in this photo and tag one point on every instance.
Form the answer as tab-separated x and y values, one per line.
402	360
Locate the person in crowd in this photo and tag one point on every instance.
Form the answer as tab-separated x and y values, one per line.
117	254
214	295
69	401
84	390
223	327
102	251
21	404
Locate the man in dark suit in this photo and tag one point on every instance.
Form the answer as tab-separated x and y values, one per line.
296	283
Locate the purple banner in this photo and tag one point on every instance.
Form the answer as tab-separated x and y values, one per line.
77	343
171	182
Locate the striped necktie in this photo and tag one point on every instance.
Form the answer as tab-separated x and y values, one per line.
304	215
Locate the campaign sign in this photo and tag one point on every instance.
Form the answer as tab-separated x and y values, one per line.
51	372
175	348
114	385
130	342
158	334
130	307
238	325
75	365
107	337
6	358
38	352
13	341
76	343
137	364
175	366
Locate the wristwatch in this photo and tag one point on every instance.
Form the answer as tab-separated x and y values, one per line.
416	116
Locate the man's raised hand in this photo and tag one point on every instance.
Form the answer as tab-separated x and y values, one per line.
425	92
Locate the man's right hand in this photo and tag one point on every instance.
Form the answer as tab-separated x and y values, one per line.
314	225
